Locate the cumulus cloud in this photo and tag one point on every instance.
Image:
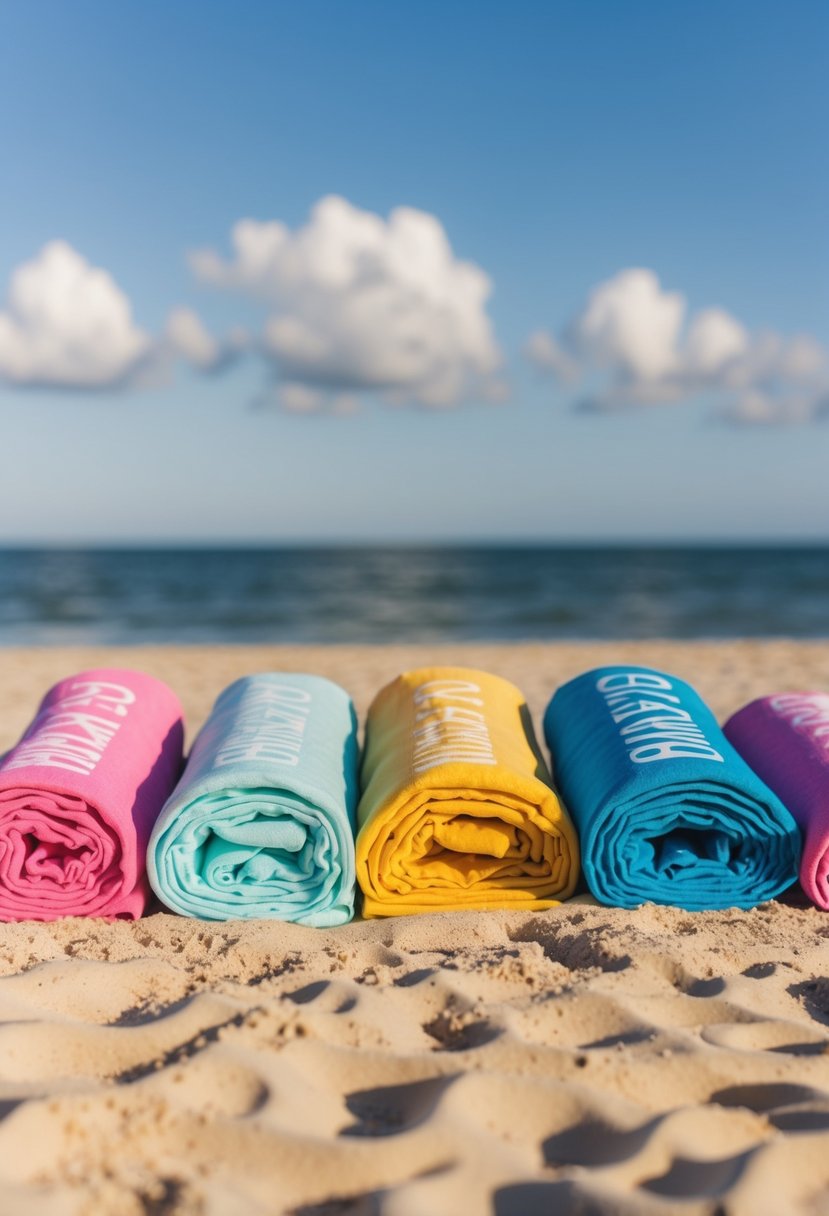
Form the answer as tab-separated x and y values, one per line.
548	355
715	341
637	343
357	302
187	337
630	324
354	303
67	324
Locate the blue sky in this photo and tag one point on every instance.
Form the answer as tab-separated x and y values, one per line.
643	187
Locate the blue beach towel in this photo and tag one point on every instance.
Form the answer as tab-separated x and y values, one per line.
665	808
262	822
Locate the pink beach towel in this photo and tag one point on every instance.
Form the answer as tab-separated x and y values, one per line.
79	795
785	739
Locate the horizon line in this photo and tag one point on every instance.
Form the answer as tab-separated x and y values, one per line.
156	544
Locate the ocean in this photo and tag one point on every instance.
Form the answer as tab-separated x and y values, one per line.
414	594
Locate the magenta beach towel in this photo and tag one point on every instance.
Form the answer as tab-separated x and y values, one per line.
79	795
785	739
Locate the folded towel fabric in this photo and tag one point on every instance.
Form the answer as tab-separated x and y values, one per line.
262	822
79	795
457	809
665	808
785	739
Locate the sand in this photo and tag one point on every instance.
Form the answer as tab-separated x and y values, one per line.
584	1060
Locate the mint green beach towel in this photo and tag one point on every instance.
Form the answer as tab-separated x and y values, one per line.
262	822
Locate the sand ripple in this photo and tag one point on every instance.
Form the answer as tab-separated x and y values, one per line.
583	1060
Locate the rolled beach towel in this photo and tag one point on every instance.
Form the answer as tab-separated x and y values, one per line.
666	810
79	795
262	822
457	809
785	739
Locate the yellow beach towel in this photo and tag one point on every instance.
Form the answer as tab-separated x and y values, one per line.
457	808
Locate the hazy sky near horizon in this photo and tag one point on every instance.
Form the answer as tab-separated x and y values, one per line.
534	270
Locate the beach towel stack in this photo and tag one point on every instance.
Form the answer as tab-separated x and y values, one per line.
79	795
785	739
457	809
262	821
666	809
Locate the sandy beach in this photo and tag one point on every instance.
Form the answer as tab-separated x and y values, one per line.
583	1060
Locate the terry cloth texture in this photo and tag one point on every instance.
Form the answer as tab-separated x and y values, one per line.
457	809
79	795
665	808
262	822
785	739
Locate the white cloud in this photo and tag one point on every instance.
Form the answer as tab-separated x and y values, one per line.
635	341
256	246
358	302
548	355
67	324
187	337
715	339
631	324
803	358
